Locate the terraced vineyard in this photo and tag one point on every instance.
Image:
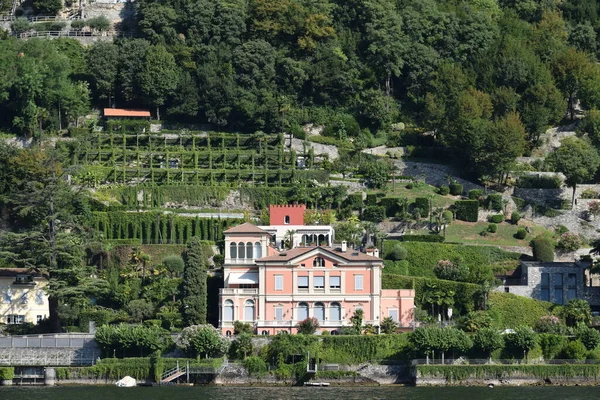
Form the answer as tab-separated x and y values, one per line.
127	153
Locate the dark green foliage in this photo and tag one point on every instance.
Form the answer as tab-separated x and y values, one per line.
422	203
551	345
475	194
523	340
577	311
492	228
140	310
539	181
373	213
496	218
391	205
443	190
515	217
47	7
521	233
354	201
7	373
460	373
242	346
194	284
455	188
488	340
543	249
494	202
240	327
423	238
397	253
371	199
132	340
174	264
590	337
467	210
574	350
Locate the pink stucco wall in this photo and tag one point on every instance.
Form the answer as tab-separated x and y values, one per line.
278	213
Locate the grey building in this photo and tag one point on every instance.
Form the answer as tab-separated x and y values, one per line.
557	282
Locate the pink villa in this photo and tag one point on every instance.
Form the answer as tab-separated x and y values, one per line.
274	289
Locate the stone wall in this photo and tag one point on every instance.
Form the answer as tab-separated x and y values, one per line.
319	149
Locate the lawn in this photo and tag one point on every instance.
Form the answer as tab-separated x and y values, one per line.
398	189
469	232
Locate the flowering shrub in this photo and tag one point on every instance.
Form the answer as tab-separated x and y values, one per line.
569	241
203	340
550	324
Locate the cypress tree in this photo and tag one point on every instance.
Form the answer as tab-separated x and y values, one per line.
194	283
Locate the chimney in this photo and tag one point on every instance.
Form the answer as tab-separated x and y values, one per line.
376	252
344	246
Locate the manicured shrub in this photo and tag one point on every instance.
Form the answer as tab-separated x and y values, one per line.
467	210
423	238
447	216
443	190
391	205
590	194
422	203
521	234
496	218
255	365
410	185
515	217
397	253
492	228
574	350
354	201
475	194
455	188
494	202
371	199
539	182
543	249
551	345
374	213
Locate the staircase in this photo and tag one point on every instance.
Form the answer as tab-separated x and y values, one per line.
172	374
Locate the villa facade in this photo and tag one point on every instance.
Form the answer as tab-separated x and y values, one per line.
274	288
22	296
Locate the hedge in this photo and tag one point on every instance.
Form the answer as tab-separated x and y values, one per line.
475	194
391	205
422	203
530	310
456	189
465	294
543	249
374	214
423	238
458	373
496	218
423	257
494	202
539	182
354	201
355	349
371	199
467	210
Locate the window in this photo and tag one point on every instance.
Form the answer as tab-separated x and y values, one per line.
265	333
545	292
39	318
39	297
228	311
257	250
286	220
302	311
228	333
24	298
248	250
335	312
319	282
571	287
278	282
241	250
558	288
319	262
320	311
358	282
233	251
249	310
15	319
279	313
334	282
393	314
303	282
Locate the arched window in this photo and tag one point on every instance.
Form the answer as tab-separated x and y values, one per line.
233	251
228	310
335	332
265	333
320	311
302	311
248	250
241	250
228	333
286	220
257	250
249	310
319	262
335	312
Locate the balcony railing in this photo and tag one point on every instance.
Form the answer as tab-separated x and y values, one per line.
237	291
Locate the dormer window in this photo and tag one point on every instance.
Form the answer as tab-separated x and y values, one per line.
286	220
23	279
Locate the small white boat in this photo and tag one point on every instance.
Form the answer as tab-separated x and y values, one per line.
127	382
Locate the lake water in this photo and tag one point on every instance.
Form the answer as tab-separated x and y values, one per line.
300	393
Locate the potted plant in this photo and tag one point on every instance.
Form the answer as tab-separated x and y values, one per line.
7	375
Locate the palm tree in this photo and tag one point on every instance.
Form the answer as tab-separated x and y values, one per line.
289	239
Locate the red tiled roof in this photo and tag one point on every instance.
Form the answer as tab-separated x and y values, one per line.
246	227
122	112
349	255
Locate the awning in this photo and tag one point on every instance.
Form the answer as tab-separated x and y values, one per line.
245	278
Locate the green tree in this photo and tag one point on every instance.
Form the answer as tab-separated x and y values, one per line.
577	160
590	337
47	7
194	283
174	264
523	339
140	310
159	77
103	60
590	126
577	311
357	320
571	68
488	340
308	326
242	346
202	341
389	326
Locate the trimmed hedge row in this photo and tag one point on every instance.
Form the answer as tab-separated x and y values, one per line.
467	210
458	373
423	238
